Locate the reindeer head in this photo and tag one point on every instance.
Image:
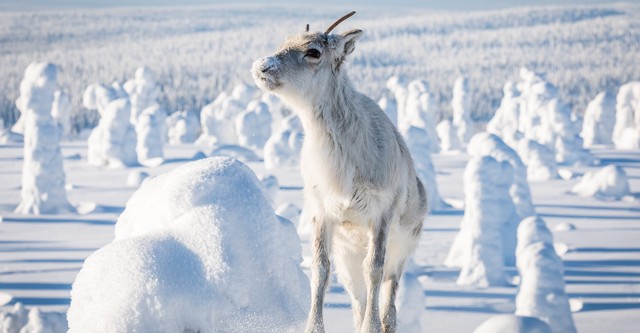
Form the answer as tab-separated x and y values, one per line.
305	62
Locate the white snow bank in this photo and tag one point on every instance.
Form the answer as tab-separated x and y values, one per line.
608	182
626	131
541	292
478	247
196	249
21	320
599	119
183	127
43	178
512	324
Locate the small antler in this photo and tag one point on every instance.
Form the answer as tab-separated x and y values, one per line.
335	24
307	29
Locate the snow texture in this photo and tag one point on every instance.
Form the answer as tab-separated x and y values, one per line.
253	126
461	106
478	247
43	178
485	144
609	182
541	293
113	142
599	119
21	320
512	324
151	129
540	160
183	127
197	249
419	147
626	131
283	147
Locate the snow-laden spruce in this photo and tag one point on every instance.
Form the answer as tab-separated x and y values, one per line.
626	131
599	119
461	106
143	91
419	111
419	145
43	178
541	293
540	160
113	142
61	113
478	247
198	249
183	127
545	119
504	122
253	126
610	182
389	105
283	147
448	136
151	129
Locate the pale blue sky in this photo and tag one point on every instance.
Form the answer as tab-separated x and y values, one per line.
435	4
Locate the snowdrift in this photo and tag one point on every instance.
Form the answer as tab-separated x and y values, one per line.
198	249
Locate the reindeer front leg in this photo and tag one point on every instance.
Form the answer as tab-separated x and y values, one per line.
373	269
320	271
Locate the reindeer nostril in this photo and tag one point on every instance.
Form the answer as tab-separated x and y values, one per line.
266	68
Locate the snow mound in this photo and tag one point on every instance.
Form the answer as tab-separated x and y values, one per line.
608	182
21	320
599	119
626	130
512	324
197	249
290	212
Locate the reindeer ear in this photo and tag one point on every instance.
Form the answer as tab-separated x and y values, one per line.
348	40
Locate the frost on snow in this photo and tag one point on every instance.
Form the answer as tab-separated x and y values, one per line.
43	177
419	147
478	247
512	324
599	119
461	105
198	249
608	182
113	142
183	127
626	131
485	144
541	293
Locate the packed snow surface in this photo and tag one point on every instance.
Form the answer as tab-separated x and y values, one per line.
196	249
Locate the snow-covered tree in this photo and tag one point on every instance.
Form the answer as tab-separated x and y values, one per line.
610	182
478	247
599	119
504	122
389	105
626	131
61	112
541	293
419	111
448	136
540	160
461	105
151	129
113	142
43	178
419	146
253	126
143	91
283	147
183	127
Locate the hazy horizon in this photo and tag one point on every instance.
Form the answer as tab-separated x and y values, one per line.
425	4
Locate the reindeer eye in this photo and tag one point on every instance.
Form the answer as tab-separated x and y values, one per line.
313	53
